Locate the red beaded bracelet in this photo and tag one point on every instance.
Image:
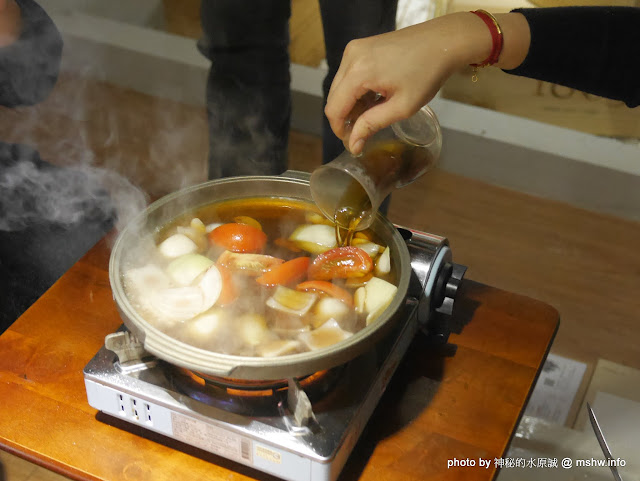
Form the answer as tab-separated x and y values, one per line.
496	37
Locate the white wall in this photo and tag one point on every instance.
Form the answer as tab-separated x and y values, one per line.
143	13
593	172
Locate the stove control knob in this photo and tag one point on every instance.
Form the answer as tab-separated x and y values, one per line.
446	288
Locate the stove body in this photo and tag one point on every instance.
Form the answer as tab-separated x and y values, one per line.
269	436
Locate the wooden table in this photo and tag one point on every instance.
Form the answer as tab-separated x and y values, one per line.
462	400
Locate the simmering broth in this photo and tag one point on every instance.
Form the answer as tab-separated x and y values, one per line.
260	277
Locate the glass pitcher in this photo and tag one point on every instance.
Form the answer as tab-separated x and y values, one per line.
349	189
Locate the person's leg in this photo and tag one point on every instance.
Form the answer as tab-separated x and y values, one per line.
248	97
343	22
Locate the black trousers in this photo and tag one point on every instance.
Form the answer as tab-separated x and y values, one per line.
248	88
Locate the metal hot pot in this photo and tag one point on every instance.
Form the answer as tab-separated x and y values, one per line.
422	262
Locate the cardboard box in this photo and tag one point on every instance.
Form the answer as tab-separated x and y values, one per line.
558	392
611	378
537	100
614	394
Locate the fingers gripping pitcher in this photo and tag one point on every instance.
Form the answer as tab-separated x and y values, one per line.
350	189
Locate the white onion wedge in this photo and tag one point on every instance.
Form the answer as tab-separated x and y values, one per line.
211	286
253	328
369	247
383	263
177	245
288	327
277	348
358	299
326	335
198	225
185	269
291	331
141	284
141	280
314	238
182	303
178	303
198	236
378	295
206	324
329	308
291	301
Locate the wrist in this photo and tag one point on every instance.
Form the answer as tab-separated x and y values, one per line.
460	39
474	42
496	39
517	38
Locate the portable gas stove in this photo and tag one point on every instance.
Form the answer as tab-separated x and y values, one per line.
297	429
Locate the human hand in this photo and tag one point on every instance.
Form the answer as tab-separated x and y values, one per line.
10	22
406	68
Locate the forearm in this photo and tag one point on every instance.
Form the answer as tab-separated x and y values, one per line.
408	67
468	40
592	49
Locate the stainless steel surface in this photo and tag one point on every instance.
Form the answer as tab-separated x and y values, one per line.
310	430
299	404
125	345
341	415
603	443
291	185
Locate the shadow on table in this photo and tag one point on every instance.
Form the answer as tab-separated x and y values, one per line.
414	384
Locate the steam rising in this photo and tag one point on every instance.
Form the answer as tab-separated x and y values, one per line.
96	150
32	194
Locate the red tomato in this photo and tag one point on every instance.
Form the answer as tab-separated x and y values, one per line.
341	262
287	273
238	237
229	292
249	264
327	288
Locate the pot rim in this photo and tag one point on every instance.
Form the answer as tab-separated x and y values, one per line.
201	360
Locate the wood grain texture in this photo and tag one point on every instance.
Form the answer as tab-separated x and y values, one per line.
463	399
585	264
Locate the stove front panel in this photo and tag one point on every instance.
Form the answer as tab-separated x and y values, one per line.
204	435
